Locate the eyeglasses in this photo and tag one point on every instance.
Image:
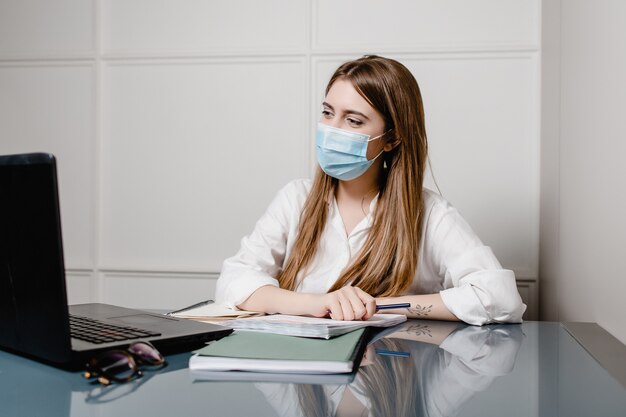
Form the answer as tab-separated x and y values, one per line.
123	365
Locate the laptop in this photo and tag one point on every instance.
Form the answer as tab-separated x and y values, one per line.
35	320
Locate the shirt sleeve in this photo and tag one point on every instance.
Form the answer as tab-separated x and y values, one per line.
262	253
476	288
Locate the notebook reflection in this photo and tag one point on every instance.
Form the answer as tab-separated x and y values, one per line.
425	369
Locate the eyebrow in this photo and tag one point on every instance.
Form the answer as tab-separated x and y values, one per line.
358	113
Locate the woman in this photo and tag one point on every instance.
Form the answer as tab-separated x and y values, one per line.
364	231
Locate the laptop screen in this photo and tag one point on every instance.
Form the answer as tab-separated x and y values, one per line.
33	301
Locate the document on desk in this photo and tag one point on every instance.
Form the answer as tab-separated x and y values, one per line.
305	326
211	312
266	352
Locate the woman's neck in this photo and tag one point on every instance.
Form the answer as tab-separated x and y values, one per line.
363	188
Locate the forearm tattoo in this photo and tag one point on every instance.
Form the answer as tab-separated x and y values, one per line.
419	310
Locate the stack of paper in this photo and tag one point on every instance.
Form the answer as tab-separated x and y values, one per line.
264	352
311	326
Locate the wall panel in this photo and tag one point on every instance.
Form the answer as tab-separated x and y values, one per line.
404	25
528	291
193	153
49	108
82	287
156	290
201	27
44	28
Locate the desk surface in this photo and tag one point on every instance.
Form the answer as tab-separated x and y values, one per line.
533	369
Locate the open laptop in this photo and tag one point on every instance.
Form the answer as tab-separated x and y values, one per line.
35	320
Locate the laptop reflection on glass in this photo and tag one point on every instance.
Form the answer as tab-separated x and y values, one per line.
35	320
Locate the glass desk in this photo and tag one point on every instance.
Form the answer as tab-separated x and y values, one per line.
419	368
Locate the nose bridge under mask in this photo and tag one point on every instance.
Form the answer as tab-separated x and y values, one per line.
335	140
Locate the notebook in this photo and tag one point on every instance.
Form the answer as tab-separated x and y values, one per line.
35	320
267	352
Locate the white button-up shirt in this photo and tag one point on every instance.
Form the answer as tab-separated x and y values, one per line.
452	260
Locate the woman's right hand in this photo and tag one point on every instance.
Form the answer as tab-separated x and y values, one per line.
347	303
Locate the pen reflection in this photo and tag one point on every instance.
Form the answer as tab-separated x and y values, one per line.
425	369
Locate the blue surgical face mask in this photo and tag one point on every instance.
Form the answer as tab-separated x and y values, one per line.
342	153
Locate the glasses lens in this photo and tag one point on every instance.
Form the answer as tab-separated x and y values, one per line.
146	353
116	365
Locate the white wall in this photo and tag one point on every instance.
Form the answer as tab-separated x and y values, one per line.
176	122
583	264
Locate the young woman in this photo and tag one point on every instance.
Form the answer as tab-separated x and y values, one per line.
364	231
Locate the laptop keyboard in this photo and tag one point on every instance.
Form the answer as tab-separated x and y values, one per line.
95	331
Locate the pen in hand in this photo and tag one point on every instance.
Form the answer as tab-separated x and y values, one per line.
392	306
388	306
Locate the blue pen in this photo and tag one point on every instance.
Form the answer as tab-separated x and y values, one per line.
389	306
392	306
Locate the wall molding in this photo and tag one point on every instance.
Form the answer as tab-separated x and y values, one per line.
256	55
39	63
427	48
160	273
253	54
204	60
522	275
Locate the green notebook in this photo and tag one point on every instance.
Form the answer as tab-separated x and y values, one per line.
267	352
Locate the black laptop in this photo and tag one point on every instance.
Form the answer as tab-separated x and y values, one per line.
35	320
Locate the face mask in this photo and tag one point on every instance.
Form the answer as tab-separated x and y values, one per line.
341	153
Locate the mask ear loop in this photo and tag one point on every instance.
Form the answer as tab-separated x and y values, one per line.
382	150
379	136
376	157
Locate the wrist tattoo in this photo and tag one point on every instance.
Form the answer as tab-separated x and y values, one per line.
420	310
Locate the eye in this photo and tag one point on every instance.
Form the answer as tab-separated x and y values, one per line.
327	113
354	122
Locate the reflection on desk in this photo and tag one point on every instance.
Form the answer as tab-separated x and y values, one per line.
532	369
427	369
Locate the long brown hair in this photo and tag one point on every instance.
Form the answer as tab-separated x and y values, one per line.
387	263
